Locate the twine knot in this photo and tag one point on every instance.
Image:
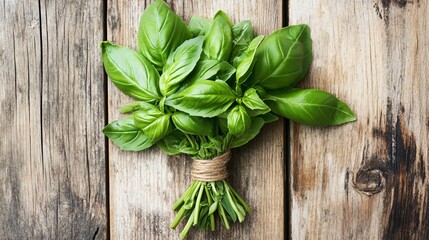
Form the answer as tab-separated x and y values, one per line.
211	170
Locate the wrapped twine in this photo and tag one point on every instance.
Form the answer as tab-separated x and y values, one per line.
211	170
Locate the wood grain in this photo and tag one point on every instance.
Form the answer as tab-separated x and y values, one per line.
364	180
368	179
143	186
52	155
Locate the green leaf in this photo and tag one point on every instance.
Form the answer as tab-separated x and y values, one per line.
252	132
193	124
203	216
135	106
199	25
245	62
176	143
223	125
204	98
218	42
126	135
310	107
212	70
154	123
146	115
213	207
209	70
283	58
214	148
238	121
215	143
158	128
227	205
269	117
222	14
179	64
161	31
256	112
252	100
242	35
130	72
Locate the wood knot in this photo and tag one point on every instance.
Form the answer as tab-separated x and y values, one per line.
369	181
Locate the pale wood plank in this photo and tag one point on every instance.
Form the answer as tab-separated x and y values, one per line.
143	186
52	155
365	180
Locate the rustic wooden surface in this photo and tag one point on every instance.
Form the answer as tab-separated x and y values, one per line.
52	154
143	186
366	180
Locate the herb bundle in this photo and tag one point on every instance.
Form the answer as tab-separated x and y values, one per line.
205	88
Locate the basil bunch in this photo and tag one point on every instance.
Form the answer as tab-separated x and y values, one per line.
207	87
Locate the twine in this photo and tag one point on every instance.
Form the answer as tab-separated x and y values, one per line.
211	170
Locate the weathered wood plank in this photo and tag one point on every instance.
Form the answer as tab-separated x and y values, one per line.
365	180
52	155
143	186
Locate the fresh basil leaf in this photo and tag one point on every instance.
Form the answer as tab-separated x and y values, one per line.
193	124
154	123
176	143
135	106
310	107
255	127
158	128
252	100
126	135
146	115
218	42
245	62
222	14
179	64
199	25
209	70
204	98
161	31
227	205
223	125
283	58
130	72
269	117
242	35
216	143
212	70
261	92
238	121
256	112
225	114
213	147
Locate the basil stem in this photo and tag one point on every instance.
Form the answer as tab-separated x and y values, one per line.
187	226
212	222
197	204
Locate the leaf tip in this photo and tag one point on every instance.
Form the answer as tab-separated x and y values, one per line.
223	15
353	117
105	129
106	46
125	109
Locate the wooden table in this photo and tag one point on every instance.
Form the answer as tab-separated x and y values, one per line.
61	179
